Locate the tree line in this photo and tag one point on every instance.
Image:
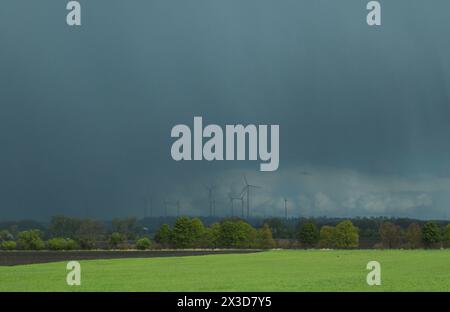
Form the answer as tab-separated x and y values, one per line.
230	233
346	235
69	233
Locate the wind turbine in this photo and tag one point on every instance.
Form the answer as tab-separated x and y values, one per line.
231	203
148	211
211	199
285	208
241	198
232	199
151	206
246	189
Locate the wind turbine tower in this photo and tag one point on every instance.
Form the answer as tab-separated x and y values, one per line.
231	203
211	199
285	208
246	189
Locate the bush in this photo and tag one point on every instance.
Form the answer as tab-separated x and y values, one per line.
30	240
8	245
71	244
143	243
59	243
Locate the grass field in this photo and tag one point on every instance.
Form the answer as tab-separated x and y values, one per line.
277	270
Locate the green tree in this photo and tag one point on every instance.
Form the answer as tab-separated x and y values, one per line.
327	237
127	227
182	233
346	235
187	233
446	237
236	233
71	244
143	243
264	237
163	236
212	235
390	235
247	235
56	243
116	240
414	236
5	235
30	240
308	234
63	226
280	228
228	235
431	234
198	232
89	233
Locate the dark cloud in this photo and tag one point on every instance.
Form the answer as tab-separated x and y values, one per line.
85	114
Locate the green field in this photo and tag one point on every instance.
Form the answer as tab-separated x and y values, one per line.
277	270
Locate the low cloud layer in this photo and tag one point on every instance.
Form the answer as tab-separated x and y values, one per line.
327	192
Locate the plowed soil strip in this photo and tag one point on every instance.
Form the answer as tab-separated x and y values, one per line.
9	258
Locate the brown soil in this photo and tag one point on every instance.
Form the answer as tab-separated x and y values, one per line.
30	257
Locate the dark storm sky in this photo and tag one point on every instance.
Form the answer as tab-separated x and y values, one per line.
86	113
